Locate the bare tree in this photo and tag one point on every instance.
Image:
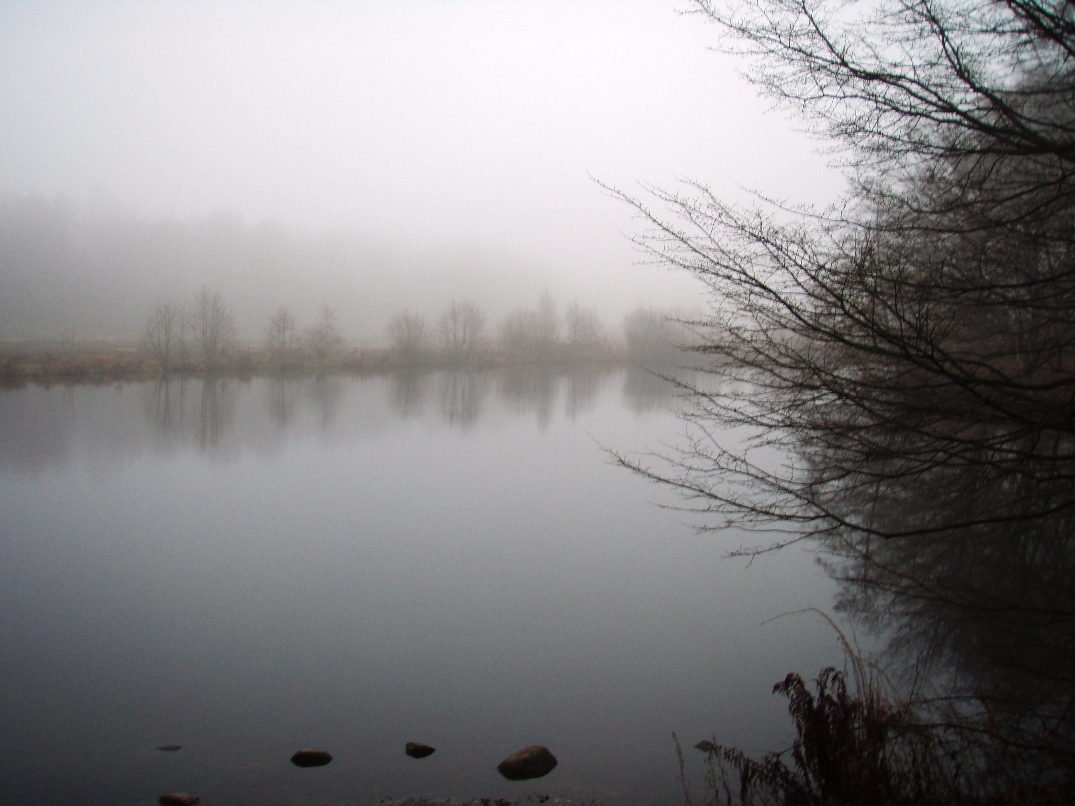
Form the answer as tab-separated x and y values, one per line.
585	333
280	335
324	340
548	322
923	328
162	333
213	325
519	333
68	338
409	335
532	333
653	336
461	328
894	377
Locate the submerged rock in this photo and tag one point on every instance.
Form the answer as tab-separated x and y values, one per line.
311	757
530	762
179	799
419	750
170	748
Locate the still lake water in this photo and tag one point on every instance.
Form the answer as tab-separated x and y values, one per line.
246	568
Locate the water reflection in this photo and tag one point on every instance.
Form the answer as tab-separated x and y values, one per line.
981	606
647	390
407	392
165	405
215	412
583	384
325	392
350	579
281	397
218	415
462	395
179	409
529	391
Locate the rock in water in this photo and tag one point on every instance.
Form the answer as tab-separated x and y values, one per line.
311	757
419	750
179	799
530	762
169	748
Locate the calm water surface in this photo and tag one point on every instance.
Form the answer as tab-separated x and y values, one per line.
246	568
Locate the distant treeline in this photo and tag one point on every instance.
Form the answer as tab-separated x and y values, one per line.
199	335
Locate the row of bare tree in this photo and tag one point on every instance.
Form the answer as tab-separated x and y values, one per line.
202	331
201	328
534	334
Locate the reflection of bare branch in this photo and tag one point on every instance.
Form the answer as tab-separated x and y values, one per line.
532	389
282	400
167	399
215	412
646	390
407	393
583	385
325	392
990	612
462	394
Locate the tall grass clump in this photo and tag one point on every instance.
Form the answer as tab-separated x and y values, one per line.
858	742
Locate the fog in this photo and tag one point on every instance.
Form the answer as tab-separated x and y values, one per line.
377	156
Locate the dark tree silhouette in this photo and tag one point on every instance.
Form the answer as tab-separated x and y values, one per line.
409	334
281	338
894	376
214	327
584	332
923	330
461	329
532	333
162	334
324	340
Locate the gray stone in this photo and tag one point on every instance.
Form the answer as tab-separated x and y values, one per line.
530	762
179	799
311	757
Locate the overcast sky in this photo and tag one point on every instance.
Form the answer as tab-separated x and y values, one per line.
430	125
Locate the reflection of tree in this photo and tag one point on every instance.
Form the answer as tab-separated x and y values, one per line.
325	392
583	384
165	403
68	400
282	398
462	394
217	404
645	391
987	611
407	393
531	389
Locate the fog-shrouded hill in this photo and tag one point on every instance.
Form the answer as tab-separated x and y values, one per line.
99	270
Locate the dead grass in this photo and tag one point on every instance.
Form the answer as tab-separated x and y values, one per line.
857	744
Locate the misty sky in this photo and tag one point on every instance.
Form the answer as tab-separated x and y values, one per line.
434	129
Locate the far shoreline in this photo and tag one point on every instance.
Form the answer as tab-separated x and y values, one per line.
125	364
